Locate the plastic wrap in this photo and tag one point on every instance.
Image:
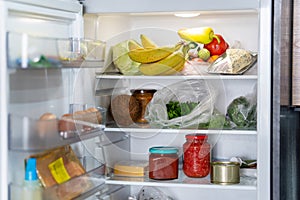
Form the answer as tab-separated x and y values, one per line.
196	91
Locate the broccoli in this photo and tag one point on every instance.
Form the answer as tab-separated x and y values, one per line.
242	113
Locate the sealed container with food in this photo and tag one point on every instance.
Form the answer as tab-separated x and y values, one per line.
163	163
225	172
196	157
143	96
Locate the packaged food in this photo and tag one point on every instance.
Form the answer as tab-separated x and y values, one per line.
125	109
163	163
135	168
58	166
233	61
76	120
225	172
196	157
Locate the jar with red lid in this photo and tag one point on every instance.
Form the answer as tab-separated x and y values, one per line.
163	163
196	156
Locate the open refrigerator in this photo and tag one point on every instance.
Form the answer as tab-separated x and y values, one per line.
30	29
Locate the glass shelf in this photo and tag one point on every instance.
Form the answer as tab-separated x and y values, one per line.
184	131
246	182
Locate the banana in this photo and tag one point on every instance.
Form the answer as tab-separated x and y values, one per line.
151	55
162	66
132	45
147	42
178	68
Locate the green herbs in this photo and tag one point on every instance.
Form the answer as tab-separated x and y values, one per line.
177	109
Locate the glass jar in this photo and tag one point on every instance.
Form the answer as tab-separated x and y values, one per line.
143	96
196	156
163	163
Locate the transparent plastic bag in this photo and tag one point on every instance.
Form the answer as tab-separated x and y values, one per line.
152	193
242	111
195	91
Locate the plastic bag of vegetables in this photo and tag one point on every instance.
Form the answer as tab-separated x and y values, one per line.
242	111
184	104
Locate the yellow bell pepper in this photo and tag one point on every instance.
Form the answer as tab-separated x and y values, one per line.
203	35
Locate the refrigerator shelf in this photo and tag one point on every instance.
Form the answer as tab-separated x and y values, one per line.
78	188
246	183
180	77
28	52
181	131
29	134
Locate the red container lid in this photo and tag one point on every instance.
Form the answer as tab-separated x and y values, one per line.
196	136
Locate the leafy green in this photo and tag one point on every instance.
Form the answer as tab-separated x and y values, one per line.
217	121
242	113
176	109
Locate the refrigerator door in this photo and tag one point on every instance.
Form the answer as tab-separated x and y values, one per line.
296	55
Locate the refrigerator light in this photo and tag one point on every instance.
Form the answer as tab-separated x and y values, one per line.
187	14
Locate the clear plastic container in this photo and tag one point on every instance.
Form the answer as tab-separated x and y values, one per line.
163	163
196	156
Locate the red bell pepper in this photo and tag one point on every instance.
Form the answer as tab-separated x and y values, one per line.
217	47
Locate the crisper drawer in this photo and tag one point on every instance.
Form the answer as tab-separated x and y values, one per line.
33	52
28	133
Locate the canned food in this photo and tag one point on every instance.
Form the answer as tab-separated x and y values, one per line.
225	172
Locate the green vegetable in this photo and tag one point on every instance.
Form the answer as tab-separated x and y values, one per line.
176	109
42	62
193	45
242	113
217	121
204	54
122	61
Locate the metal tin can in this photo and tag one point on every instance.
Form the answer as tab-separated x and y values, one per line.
225	172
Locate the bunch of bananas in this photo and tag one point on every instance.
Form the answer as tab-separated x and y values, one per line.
155	60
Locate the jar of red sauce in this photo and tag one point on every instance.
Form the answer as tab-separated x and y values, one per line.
163	163
196	156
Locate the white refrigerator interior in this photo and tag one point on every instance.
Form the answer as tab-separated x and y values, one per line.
28	93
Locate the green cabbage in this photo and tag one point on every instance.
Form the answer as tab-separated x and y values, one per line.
122	61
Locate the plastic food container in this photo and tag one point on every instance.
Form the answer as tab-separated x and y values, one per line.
163	163
225	172
196	156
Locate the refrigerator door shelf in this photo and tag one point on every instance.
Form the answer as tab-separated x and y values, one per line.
28	134
26	51
80	187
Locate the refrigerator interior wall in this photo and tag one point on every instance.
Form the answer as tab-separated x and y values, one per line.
240	29
114	28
